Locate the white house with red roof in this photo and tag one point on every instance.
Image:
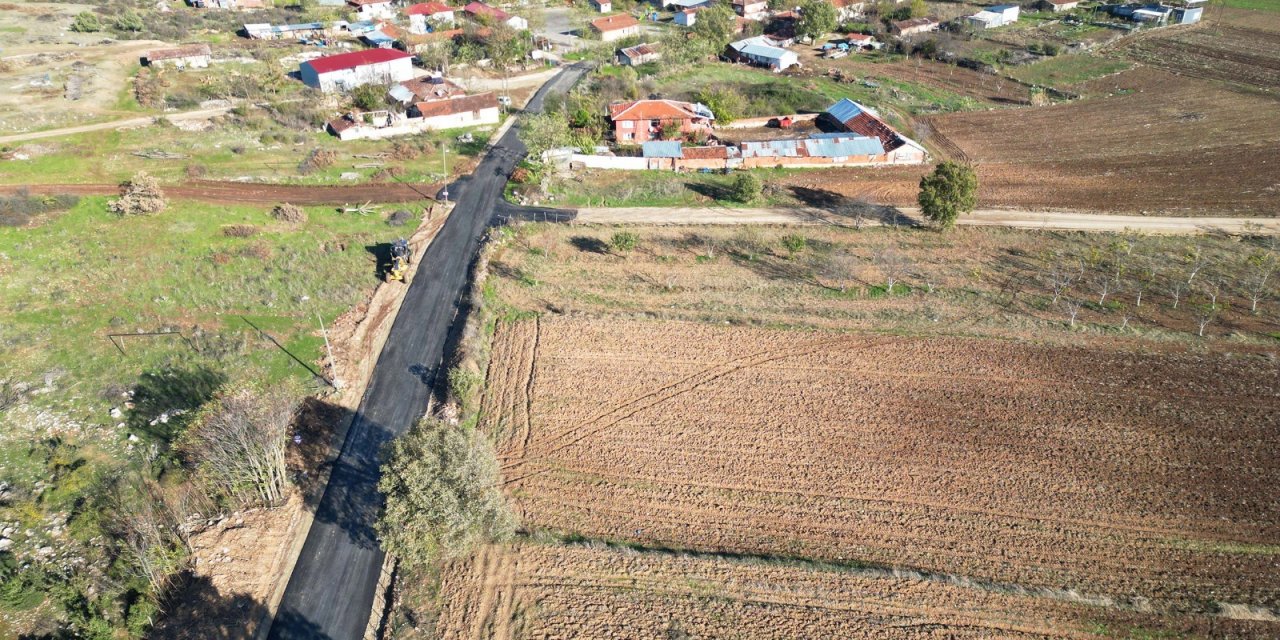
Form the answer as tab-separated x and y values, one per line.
644	120
372	9
347	71
429	16
479	10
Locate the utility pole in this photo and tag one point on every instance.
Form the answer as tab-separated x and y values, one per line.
444	160
333	364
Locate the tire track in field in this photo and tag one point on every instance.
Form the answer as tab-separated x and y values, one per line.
584	430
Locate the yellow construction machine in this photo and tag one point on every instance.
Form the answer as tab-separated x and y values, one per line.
399	260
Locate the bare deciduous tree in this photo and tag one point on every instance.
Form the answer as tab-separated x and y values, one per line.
1072	308
1196	260
1260	268
893	267
238	443
146	529
1062	274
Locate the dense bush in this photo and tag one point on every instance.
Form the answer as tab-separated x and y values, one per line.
140	195
18	209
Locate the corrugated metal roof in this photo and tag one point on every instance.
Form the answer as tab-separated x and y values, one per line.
845	110
763	51
844	147
662	149
355	59
402	93
771	149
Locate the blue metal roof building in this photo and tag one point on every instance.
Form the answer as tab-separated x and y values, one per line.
662	149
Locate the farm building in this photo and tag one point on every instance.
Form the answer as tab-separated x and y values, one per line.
378	39
345	71
616	27
602	6
301	31
191	56
1151	13
760	51
914	26
847	115
426	16
372	9
686	17
477	9
819	150
992	17
1057	6
751	9
644	120
452	113
639	54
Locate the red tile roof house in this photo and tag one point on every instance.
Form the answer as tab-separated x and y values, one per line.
616	27
428	12
347	71
478	9
434	115
643	120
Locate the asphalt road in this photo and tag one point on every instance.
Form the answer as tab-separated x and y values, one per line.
331	591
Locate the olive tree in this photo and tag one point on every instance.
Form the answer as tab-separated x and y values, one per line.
442	498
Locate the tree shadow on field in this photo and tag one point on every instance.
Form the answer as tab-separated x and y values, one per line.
588	244
851	211
713	191
165	399
198	610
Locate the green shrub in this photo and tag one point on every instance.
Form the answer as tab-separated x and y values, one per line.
746	188
624	241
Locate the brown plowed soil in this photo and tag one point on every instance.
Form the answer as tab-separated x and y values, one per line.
576	591
1246	56
1133	475
255	193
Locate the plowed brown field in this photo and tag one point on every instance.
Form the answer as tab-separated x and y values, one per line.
1146	477
1161	143
575	591
1246	56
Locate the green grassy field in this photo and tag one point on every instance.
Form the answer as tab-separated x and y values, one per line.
1256	5
659	189
1064	71
769	94
224	153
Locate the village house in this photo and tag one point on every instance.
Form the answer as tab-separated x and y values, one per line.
686	17
863	42
643	120
372	9
616	27
847	115
914	26
479	12
306	30
751	9
191	56
996	16
436	115
760	51
429	16
602	6
346	71
638	55
1057	6
847	10
425	89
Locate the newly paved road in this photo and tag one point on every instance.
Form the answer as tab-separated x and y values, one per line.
331	591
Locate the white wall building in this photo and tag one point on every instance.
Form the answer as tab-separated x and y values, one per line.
997	16
346	71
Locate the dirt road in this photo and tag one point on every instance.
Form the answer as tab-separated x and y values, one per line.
255	193
126	123
1049	220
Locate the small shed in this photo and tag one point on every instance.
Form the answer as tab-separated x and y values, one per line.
191	56
639	54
